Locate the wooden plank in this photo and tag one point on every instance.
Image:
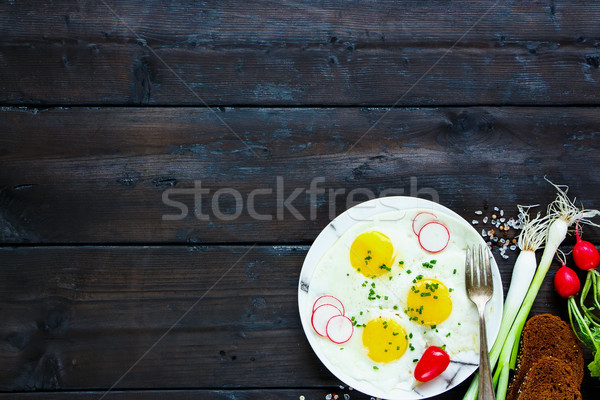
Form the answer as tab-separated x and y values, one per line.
231	394
282	53
287	22
128	74
101	175
76	318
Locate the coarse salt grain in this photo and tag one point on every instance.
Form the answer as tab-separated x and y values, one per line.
478	212
474	222
485	220
346	396
496	209
513	247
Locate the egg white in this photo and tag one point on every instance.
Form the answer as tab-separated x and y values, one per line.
334	275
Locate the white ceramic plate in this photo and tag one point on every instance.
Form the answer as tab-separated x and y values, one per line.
402	209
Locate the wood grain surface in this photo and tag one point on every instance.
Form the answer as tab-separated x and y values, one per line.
300	52
212	316
151	246
194	394
99	175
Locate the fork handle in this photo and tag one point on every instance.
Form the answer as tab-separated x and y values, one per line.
486	389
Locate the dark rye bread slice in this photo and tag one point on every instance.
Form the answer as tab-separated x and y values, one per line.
547	335
549	378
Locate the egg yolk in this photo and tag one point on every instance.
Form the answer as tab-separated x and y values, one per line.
372	254
385	339
428	302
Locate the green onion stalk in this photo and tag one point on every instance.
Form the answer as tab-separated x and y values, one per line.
530	239
562	213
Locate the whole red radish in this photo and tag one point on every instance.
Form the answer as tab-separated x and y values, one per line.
566	282
585	254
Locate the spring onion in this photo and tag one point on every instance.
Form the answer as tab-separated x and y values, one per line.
530	239
562	213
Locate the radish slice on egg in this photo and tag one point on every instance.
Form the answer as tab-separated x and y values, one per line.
321	316
339	329
331	300
421	219
434	237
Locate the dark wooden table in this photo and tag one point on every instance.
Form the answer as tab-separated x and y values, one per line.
157	157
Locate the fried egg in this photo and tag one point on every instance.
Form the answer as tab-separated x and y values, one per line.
400	298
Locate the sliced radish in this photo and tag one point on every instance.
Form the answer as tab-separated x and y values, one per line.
339	329
321	316
334	301
434	237
421	219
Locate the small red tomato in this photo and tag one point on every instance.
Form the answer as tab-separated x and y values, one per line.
566	282
433	362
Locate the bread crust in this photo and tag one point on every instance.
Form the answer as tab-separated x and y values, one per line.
544	336
549	378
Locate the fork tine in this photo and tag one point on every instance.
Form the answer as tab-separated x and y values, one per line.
488	267
468	267
482	267
476	266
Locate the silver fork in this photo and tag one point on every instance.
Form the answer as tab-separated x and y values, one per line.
480	288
